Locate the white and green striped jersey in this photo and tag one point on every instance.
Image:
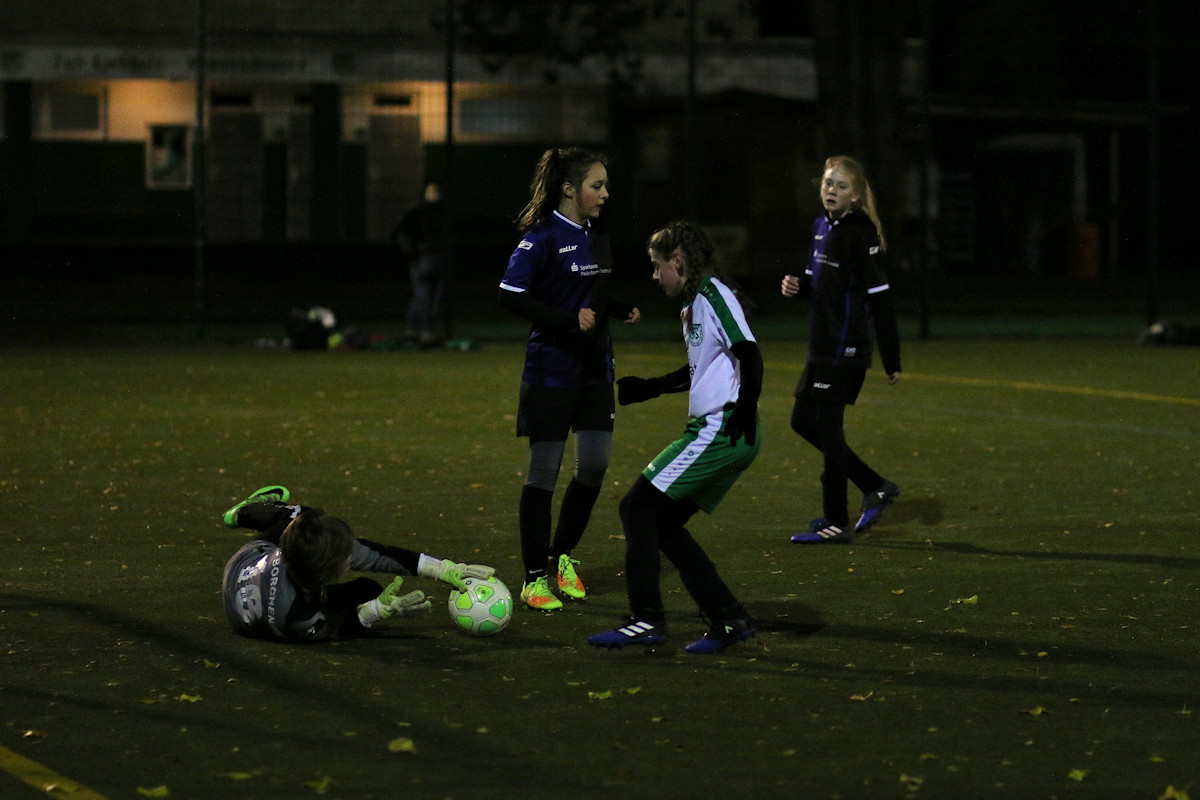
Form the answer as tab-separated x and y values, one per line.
716	323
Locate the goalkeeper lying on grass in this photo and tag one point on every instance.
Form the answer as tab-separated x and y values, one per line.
279	586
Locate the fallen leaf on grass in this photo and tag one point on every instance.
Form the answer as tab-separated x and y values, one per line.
60	788
1036	711
1173	794
157	791
237	776
320	785
973	600
188	698
403	744
1077	774
600	695
866	696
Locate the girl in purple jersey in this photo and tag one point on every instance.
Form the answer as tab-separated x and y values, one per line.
850	305
556	279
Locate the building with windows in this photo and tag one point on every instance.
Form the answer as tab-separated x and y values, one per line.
299	123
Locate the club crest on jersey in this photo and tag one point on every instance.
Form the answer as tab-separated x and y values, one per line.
525	245
696	335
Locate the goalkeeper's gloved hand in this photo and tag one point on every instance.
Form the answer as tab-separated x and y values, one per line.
453	573
390	603
637	390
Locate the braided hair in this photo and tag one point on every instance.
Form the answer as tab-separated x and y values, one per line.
698	251
556	167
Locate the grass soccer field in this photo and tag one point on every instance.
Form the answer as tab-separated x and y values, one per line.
1021	624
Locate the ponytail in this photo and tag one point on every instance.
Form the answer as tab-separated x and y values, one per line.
556	167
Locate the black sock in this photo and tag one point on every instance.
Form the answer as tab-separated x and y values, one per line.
535	530
573	516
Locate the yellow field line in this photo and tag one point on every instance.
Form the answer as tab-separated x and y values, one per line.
42	778
1086	391
1028	386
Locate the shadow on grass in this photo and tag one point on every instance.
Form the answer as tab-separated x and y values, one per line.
297	697
922	510
967	548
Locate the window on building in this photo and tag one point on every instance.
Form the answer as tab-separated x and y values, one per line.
510	117
73	113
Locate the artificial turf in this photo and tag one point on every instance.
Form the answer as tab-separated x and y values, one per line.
1021	623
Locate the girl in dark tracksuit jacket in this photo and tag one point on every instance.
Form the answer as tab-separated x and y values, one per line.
850	310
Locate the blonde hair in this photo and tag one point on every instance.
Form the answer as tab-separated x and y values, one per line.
556	167
861	186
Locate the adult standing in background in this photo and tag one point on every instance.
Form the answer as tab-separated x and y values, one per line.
421	235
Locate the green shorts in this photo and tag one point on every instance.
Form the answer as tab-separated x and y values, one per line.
703	464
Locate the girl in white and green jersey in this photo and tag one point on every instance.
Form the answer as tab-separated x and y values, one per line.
723	378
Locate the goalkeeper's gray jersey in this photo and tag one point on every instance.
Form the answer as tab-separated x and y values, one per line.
262	601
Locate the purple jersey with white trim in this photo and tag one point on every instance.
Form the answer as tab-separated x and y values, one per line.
844	270
561	265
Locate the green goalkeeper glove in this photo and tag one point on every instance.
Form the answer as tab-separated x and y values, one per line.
390	603
447	571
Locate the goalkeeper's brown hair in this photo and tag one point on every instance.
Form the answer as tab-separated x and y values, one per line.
315	547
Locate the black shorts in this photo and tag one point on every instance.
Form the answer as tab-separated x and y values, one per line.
550	413
826	383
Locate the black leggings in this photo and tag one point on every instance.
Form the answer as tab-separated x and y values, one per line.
822	426
654	522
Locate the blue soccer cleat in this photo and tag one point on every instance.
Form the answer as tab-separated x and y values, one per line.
634	631
721	635
874	503
822	531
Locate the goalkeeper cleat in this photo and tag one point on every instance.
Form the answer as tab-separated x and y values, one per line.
568	581
634	631
874	503
822	531
267	494
537	595
721	635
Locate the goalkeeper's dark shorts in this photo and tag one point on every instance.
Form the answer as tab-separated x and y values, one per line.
550	413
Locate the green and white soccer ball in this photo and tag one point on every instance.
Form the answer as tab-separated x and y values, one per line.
484	609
